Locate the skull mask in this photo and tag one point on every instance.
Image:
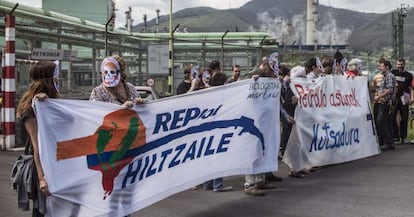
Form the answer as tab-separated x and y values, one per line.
111	73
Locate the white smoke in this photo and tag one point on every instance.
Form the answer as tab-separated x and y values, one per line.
293	31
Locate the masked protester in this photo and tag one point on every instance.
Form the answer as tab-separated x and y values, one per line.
114	88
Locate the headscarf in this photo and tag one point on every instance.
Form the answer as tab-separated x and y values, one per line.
112	77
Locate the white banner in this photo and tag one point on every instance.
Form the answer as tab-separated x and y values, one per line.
334	122
102	160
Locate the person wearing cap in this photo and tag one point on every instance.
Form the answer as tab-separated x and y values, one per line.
44	76
114	88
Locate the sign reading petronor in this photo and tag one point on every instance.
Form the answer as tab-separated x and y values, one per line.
50	54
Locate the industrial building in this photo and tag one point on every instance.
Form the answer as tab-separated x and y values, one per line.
81	44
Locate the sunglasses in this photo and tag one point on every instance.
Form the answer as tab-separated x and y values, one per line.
236	70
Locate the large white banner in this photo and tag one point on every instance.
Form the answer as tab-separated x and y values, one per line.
102	160
334	122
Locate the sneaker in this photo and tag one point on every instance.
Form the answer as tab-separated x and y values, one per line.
266	186
294	174
208	187
411	141
388	148
254	192
223	189
272	178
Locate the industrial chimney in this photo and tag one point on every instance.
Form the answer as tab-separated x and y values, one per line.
312	22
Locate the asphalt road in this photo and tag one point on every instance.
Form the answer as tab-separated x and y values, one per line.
379	186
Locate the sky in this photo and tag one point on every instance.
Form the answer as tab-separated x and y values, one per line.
149	7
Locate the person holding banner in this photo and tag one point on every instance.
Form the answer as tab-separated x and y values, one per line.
256	183
236	74
217	78
201	81
44	76
328	63
185	85
314	68
340	63
114	88
354	67
384	100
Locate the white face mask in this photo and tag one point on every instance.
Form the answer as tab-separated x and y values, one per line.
110	77
206	78
56	76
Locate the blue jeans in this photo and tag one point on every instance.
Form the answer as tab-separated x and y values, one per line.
213	184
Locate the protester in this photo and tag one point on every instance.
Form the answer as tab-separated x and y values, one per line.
376	80
384	100
354	67
314	68
217	78
403	100
201	81
44	76
340	63
114	88
328	63
289	102
185	85
256	183
235	74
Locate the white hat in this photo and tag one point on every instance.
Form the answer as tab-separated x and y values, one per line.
355	64
297	71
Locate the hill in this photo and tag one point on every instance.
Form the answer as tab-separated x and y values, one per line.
376	35
286	21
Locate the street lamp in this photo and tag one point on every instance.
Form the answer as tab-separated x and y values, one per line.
222	50
106	35
157	20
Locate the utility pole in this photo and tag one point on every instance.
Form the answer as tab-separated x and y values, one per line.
398	31
128	19
157	20
145	23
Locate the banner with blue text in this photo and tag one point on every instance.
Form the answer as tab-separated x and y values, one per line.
100	159
334	122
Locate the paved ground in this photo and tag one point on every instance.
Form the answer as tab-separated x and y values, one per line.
380	186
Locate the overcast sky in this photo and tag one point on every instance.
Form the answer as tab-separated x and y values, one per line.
149	6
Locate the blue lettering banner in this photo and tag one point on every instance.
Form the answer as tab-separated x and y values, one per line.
101	159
